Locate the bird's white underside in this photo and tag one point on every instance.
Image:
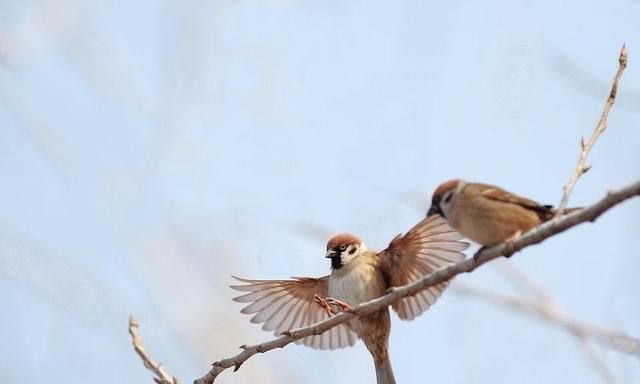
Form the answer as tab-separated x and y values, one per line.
356	283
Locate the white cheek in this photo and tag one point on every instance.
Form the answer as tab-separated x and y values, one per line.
346	256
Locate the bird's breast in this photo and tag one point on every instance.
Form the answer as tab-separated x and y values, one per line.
357	284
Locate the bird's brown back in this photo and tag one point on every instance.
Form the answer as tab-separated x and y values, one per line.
544	212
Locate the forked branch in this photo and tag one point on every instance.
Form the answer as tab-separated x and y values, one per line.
581	167
534	236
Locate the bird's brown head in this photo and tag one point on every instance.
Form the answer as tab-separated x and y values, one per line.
342	248
443	197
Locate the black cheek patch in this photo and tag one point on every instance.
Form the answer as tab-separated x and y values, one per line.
352	251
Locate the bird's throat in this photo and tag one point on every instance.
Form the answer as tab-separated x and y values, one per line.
336	262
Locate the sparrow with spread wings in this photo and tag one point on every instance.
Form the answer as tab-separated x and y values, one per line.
357	275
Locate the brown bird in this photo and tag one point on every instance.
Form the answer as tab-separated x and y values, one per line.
357	275
487	214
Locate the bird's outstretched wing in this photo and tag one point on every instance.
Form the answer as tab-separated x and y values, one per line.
429	246
283	305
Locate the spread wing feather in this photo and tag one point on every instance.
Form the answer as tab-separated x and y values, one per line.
429	246
281	305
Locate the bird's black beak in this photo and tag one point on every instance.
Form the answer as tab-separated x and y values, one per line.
331	254
435	210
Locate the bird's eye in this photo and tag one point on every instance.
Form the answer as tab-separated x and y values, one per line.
342	247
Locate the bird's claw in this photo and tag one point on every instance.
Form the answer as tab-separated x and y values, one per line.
476	255
344	307
324	304
327	302
509	246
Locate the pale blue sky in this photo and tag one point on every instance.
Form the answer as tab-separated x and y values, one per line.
150	150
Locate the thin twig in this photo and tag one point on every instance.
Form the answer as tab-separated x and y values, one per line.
534	236
596	359
160	374
529	286
611	338
581	168
523	282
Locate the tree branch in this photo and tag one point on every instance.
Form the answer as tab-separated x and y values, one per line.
161	375
520	280
596	359
528	286
546	312
544	309
534	236
610	338
581	168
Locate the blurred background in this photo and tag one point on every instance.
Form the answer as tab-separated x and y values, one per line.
148	150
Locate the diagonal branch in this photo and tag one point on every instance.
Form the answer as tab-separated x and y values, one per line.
520	280
546	311
611	338
534	236
581	168
543	298
160	374
596	359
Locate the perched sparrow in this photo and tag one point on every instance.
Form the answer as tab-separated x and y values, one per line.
358	275
487	214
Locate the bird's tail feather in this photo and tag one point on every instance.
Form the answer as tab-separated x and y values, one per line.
384	373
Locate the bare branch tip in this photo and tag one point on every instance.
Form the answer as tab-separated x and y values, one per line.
624	54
